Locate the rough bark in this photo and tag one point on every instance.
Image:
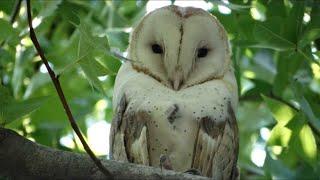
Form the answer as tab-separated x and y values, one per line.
21	158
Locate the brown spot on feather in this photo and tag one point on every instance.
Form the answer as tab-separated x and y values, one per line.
212	128
172	113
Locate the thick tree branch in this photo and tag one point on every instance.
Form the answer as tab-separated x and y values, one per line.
22	159
59	90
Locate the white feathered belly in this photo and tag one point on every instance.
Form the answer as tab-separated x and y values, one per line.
175	139
173	136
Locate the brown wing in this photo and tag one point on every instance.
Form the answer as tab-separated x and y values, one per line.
128	135
216	147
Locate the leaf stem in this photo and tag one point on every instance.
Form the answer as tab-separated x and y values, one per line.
63	100
16	11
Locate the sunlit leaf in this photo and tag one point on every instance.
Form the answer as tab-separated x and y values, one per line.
280	135
280	111
305	106
308	142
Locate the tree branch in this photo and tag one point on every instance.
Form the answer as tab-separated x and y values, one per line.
63	100
22	159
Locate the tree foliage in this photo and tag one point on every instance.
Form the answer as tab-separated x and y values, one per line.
276	50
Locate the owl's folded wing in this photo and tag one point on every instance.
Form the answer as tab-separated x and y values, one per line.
128	135
216	147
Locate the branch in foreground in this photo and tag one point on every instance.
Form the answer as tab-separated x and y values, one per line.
22	159
63	100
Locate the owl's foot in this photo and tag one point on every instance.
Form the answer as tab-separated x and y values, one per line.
193	171
165	162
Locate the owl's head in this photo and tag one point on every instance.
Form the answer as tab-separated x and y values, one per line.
180	47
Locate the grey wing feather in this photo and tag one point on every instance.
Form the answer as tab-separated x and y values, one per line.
116	138
129	135
216	148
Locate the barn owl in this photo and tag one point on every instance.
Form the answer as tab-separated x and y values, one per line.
178	95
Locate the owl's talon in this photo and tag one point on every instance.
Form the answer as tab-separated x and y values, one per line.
193	171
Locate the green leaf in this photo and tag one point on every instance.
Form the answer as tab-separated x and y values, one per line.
94	42
308	142
90	45
22	60
278	8
49	8
293	23
287	65
90	70
100	68
311	32
233	6
113	64
5	57
11	109
7	6
268	38
118	39
251	121
305	106
37	81
6	31
279	136
309	36
280	111
277	168
303	141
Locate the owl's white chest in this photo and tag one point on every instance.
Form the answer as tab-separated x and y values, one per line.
174	115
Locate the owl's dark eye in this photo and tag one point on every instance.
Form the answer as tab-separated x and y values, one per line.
202	52
156	48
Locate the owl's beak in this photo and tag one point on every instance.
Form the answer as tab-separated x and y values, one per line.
176	84
177	78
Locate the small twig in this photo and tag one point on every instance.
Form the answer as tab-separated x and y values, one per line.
15	11
118	55
63	100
